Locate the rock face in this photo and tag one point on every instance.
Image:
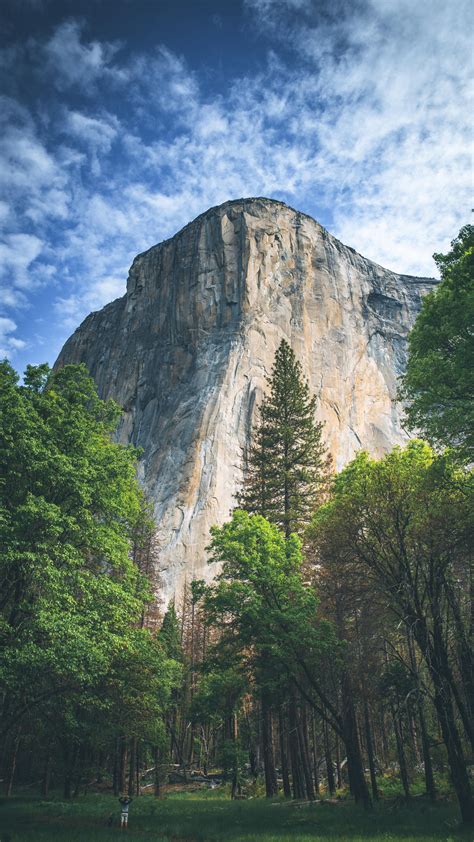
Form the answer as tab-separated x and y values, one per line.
186	352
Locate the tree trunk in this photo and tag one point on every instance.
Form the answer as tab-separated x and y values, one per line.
425	742
137	768
156	760
338	764
402	763
132	766
123	764
271	787
328	761
315	753
370	752
457	763
46	780
304	750
236	787
116	771
436	659
284	755
383	735
297	776
10	771
359	787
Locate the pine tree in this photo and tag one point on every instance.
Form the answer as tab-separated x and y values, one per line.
287	460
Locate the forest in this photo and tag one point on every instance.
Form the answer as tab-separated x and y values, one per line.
330	662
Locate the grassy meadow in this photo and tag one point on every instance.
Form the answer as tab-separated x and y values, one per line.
209	817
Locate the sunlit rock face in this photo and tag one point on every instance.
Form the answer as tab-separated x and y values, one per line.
187	350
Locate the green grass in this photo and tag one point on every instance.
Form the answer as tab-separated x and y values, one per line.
190	817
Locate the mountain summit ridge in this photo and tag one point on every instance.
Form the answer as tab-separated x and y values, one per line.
186	352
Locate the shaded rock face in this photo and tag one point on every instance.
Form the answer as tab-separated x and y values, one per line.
187	350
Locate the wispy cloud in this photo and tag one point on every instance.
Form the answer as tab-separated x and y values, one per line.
357	113
9	344
73	62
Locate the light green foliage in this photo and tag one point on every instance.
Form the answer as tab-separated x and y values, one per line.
287	459
260	602
439	381
71	595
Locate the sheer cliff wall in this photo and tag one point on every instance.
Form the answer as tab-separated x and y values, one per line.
187	350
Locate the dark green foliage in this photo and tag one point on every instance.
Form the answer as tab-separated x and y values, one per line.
405	522
170	635
287	457
439	381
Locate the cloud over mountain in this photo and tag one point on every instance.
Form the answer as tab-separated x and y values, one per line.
356	113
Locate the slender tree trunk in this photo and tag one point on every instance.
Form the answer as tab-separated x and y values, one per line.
457	763
383	734
132	766
123	764
304	752
370	752
271	787
236	787
402	763
284	755
297	776
338	764
116	770
315	753
328	761
425	742
137	768
46	780
435	656
413	735
10	772
156	760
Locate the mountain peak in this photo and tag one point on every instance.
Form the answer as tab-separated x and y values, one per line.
187	350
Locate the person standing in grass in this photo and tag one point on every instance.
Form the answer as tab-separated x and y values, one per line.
125	802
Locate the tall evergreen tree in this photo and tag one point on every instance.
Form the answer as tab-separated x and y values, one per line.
287	460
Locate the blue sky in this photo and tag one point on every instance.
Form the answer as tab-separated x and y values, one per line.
123	120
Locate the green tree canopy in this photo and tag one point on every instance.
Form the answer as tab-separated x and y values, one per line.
72	598
439	381
405	522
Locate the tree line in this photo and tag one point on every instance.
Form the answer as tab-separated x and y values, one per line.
334	647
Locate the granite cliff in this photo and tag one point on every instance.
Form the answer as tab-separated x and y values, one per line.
187	349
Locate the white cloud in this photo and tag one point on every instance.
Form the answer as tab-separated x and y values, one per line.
71	310
73	63
97	133
9	344
17	253
390	120
362	118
